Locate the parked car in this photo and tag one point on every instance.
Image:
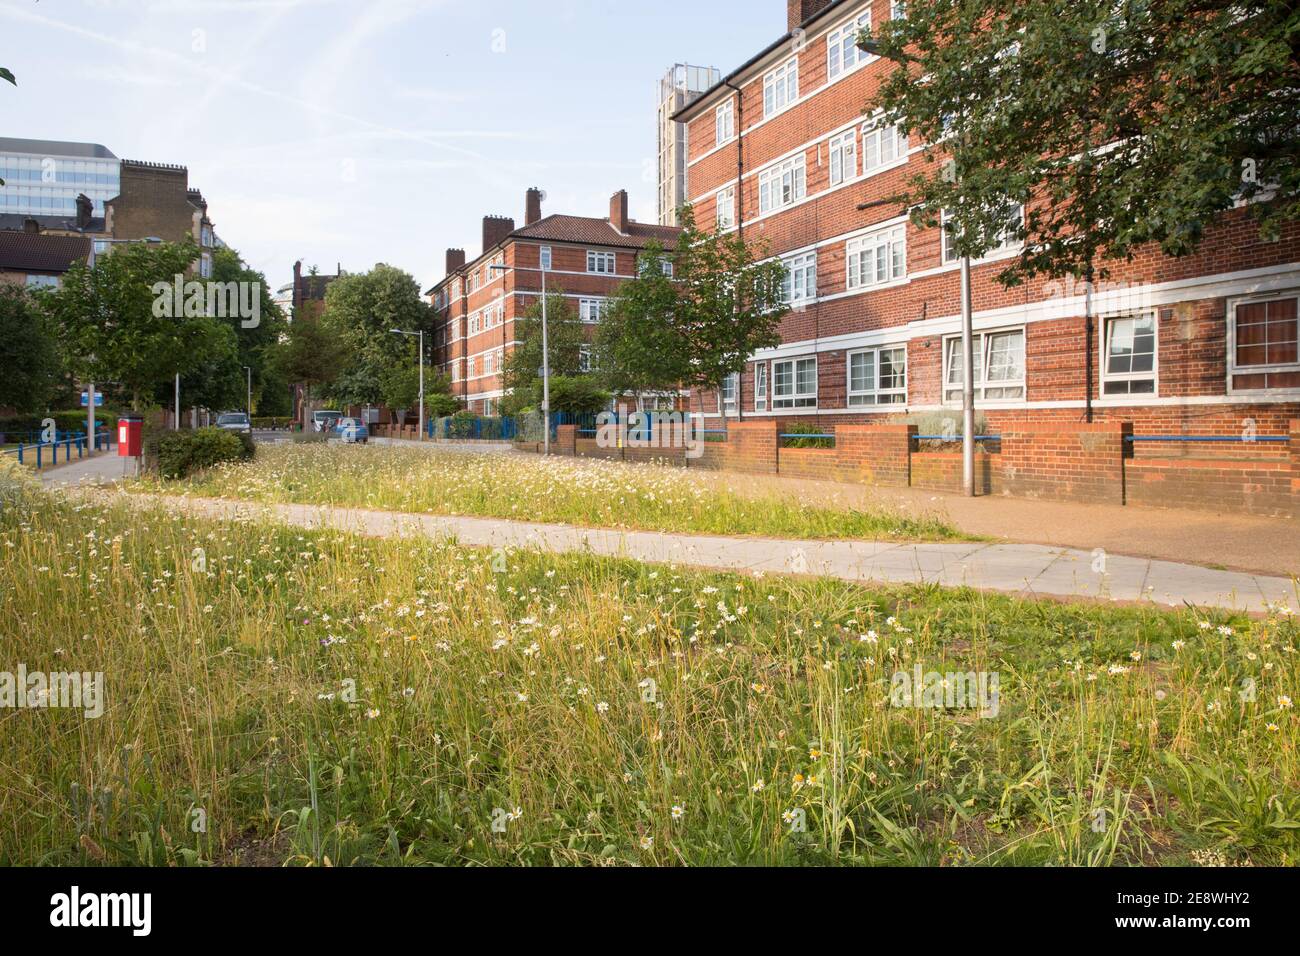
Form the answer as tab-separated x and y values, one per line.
325	421
352	431
235	422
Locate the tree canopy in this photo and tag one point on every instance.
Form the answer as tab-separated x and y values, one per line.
1115	124
27	351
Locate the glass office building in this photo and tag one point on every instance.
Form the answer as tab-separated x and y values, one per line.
43	177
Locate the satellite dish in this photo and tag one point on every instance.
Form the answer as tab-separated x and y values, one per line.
543	195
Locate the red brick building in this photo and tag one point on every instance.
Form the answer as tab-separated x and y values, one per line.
475	305
784	149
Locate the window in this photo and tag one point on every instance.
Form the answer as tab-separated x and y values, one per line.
781	87
1009	239
844	157
591	310
794	383
42	282
760	387
205	266
602	262
727	208
1266	344
878	377
489	361
898	10
882	145
1001	353
782	185
842	53
730	394
1130	360
473	324
800	282
725	121
878	257
544	258
584	358
489	407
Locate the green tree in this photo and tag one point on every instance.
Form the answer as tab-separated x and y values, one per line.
638	347
360	312
28	352
578	395
1115	124
254	343
114	327
308	355
724	304
565	338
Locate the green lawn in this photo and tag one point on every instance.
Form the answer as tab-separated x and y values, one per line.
532	488
324	698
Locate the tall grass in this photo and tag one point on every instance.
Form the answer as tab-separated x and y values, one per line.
530	488
325	699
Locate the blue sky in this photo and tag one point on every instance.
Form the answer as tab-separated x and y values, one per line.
364	131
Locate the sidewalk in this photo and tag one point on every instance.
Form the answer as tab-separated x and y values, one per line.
1023	569
104	467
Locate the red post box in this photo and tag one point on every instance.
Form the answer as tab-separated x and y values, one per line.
130	431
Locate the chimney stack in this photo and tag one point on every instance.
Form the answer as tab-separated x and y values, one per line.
85	209
532	206
799	12
495	229
455	260
618	211
31	226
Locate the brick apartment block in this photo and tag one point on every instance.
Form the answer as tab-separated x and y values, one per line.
475	306
784	149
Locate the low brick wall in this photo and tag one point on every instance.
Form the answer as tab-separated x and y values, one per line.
1054	460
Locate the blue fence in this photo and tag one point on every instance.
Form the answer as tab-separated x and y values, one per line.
41	454
1232	439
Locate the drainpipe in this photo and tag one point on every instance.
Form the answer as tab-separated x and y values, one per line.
740	158
1088	341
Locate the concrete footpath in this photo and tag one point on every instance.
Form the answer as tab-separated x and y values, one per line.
1023	569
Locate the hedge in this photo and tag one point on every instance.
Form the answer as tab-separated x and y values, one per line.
181	453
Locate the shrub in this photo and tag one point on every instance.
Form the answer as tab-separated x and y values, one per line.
578	395
19	488
185	452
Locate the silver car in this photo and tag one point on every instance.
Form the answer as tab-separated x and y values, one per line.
235	422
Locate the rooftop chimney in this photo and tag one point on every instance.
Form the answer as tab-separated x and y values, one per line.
455	260
85	209
31	226
495	229
533	206
618	211
800	12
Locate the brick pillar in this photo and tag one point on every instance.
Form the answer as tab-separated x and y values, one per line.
566	440
1066	461
874	454
1295	466
753	446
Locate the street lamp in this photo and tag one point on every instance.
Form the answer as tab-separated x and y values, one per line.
250	394
546	361
420	334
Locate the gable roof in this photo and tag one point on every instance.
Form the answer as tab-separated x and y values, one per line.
18	221
29	252
596	232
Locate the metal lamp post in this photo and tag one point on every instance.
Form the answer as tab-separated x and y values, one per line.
420	335
250	394
546	363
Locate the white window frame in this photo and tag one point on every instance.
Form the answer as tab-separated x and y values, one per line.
601	263
584	358
760	387
592	310
544	258
843	157
874	159
1007	245
1235	369
786	181
876	396
726	202
866	249
982	340
781	87
729	398
724	122
837	53
793	397
800	283
1108	378
898	9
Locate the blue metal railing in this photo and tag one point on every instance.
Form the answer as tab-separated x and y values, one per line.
956	438
77	440
1235	439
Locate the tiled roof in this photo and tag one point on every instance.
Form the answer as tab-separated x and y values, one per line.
597	232
18	220
26	252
